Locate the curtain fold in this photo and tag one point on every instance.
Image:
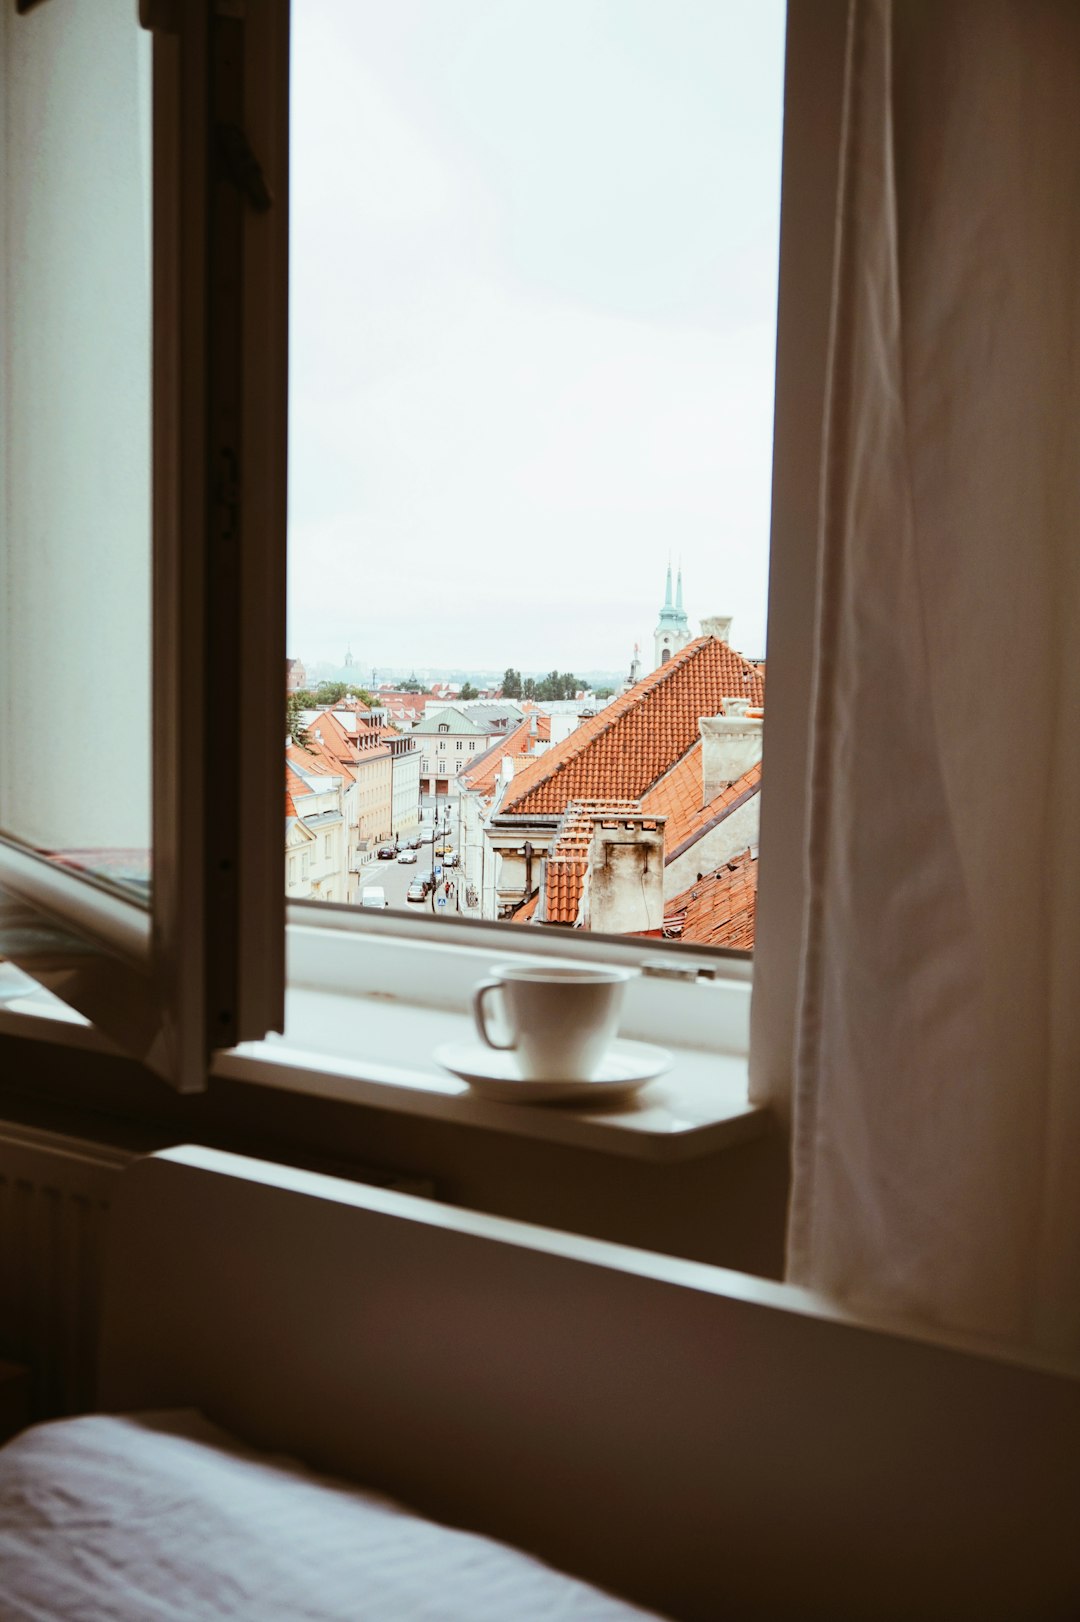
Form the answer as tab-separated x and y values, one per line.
936	1130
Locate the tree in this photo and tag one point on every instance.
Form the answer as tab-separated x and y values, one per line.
294	726
511	683
330	692
363	695
469	691
528	689
604	692
410	686
556	684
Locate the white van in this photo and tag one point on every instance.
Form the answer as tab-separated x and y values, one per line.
373	895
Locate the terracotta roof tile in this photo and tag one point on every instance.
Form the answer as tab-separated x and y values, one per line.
305	761
633	741
677	796
719	910
482	774
294	785
568	859
334	748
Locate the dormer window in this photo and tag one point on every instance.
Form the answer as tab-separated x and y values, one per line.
444	726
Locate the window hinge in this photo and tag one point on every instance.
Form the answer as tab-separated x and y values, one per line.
242	166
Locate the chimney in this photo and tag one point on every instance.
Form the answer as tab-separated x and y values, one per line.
730	745
717	625
625	892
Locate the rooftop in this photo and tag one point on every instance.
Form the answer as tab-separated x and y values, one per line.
677	796
482	774
719	909
633	742
568	859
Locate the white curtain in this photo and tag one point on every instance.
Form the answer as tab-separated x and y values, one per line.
937	1090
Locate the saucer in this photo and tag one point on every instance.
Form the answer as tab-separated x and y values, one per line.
626	1067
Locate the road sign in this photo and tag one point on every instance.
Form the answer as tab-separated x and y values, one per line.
438	870
440	901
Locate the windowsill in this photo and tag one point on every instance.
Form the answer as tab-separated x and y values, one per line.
699	1106
376	1050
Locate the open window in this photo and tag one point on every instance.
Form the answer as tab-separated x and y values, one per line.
144	222
533	337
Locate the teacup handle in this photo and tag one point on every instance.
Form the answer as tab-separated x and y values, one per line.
482	990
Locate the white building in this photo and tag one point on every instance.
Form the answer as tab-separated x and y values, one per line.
315	830
449	740
482	788
404	785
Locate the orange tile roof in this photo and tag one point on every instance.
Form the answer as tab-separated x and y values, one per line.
307	762
482	774
568	859
634	740
719	910
293	785
677	796
335	749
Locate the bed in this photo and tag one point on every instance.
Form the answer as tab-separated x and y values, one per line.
654	1433
164	1517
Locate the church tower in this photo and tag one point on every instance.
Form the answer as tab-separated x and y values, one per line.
673	628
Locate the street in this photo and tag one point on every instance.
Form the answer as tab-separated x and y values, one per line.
395	878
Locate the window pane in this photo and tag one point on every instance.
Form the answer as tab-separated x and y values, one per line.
75	684
533	292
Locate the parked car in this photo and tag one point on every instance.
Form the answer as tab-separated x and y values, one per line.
406	855
417	891
386	853
373	895
413	844
451	858
444	849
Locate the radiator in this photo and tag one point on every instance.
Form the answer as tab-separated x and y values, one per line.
54	1201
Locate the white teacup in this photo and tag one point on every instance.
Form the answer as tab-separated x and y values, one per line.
561	1021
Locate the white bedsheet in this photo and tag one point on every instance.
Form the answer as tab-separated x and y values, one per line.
165	1518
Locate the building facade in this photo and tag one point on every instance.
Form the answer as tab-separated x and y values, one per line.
404	785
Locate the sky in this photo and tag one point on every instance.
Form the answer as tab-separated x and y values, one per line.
533	290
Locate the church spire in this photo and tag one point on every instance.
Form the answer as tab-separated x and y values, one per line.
673	630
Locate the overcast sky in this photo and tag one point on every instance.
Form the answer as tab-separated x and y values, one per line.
534	254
